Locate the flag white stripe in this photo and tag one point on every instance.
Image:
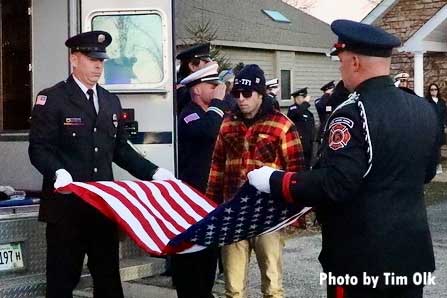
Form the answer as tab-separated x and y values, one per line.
124	214
145	200
166	206
181	201
146	215
195	197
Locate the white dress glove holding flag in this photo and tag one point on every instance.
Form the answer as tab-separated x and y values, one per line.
260	178
63	178
163	174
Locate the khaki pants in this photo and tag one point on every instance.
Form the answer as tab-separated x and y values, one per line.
236	258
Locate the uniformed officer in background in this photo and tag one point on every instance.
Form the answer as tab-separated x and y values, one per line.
368	186
198	126
272	89
76	133
304	121
322	107
191	60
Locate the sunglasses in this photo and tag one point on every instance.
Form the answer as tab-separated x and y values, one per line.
432	89
245	94
403	80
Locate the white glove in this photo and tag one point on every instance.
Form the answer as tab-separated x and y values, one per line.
163	174
63	178
260	178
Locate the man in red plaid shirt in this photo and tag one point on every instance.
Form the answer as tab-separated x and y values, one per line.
254	136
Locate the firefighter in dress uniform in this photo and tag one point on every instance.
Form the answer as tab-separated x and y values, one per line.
379	149
304	121
193	274
76	133
191	60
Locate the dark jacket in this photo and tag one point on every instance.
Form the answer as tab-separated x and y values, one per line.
66	134
441	111
305	124
197	133
377	223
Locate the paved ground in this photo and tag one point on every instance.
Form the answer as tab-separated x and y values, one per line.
301	269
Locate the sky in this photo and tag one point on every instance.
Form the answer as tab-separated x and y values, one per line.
329	10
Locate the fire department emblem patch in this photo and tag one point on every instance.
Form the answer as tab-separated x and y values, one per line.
339	136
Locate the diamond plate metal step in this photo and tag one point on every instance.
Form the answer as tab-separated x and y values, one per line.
32	286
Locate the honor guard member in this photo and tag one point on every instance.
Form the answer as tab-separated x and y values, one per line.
193	273
304	121
402	80
76	133
272	87
191	60
368	186
322	107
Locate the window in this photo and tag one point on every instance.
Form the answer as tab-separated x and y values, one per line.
276	16
136	51
285	84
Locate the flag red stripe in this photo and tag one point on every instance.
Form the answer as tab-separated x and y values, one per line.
100	204
160	222
136	212
199	209
174	204
162	210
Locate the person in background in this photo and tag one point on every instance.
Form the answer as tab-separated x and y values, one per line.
304	121
254	135
434	97
402	81
322	107
193	274
227	77
368	185
76	133
191	60
272	91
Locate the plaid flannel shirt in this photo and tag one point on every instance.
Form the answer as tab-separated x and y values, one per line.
272	140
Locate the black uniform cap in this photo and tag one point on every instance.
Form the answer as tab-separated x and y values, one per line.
92	43
300	92
328	86
197	51
363	39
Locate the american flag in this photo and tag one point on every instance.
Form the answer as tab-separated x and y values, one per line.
166	217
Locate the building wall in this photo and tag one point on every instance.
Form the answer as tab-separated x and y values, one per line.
404	20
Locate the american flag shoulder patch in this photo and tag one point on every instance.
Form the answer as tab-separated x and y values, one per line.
41	100
191	117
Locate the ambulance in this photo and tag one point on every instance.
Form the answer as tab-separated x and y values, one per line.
33	57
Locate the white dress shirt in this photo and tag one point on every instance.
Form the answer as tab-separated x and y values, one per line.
85	89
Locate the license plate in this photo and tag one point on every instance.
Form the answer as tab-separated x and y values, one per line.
10	256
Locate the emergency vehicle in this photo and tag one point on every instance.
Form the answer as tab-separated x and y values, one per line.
33	57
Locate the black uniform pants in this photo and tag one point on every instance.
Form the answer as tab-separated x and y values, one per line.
364	292
82	231
193	274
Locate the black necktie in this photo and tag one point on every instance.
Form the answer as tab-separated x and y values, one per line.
91	100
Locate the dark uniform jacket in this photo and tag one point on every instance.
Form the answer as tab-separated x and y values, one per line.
305	124
197	133
67	134
441	111
377	223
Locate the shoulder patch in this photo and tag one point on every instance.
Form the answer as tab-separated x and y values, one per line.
342	120
191	117
41	100
339	135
